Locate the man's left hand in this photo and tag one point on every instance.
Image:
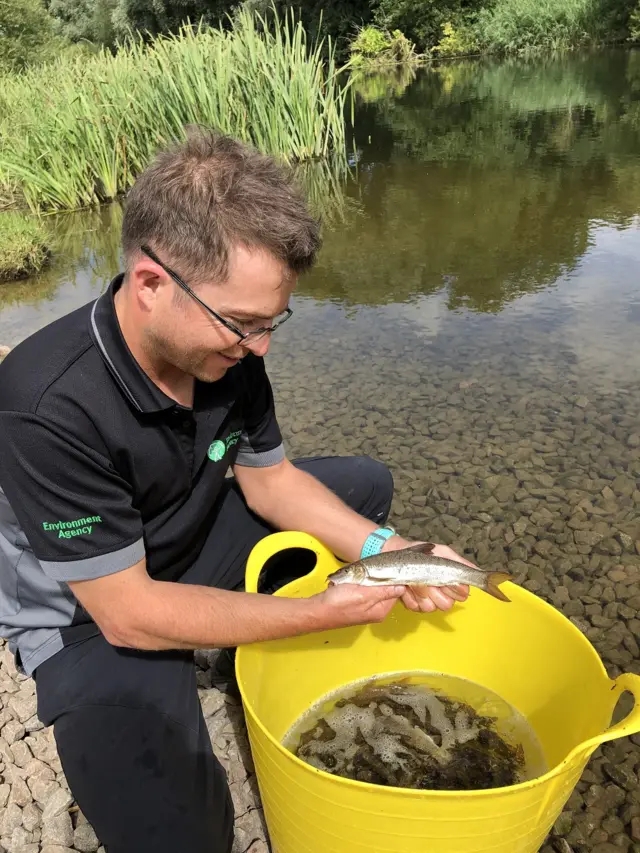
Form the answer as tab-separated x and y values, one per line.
426	599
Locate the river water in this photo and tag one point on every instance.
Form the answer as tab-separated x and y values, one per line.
476	304
474	322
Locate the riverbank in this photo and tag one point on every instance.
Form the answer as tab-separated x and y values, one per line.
77	132
25	246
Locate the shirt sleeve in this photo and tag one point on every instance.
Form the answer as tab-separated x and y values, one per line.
260	444
70	504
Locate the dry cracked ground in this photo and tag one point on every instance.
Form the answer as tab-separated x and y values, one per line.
507	451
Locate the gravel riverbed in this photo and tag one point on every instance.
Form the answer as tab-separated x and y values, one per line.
511	453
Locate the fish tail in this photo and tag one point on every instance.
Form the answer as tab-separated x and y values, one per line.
493	582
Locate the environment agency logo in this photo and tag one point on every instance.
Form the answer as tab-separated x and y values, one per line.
216	451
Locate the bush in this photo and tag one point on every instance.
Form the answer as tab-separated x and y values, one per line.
457	40
513	26
422	21
24	246
373	46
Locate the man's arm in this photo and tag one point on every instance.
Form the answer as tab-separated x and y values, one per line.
291	499
133	610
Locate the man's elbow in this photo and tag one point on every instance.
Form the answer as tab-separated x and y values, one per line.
126	635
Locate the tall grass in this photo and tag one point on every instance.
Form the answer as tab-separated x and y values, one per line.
517	26
79	131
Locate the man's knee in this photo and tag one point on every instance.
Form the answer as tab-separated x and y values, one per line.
370	490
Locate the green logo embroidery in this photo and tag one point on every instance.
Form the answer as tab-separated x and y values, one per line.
69	529
218	448
216	451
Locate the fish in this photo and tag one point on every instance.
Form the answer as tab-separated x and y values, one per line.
416	566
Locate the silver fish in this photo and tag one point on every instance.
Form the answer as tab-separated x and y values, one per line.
416	566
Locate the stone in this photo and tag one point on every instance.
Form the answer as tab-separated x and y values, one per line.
635	828
621	775
42	789
4	352
20	793
5	790
55	848
11	819
23	705
31	817
58	830
563	824
59	801
85	839
21	753
13	731
212	702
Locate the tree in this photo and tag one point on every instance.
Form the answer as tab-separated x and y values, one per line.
90	20
27	34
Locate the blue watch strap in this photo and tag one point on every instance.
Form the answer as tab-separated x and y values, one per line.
374	541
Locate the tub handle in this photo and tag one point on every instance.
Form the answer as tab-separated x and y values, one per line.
629	726
282	541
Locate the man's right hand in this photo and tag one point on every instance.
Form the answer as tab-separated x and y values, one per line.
344	605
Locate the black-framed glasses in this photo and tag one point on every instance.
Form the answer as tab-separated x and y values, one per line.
253	335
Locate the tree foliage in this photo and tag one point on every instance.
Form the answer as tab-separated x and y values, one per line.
27	34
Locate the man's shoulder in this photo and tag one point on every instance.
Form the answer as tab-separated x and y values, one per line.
59	356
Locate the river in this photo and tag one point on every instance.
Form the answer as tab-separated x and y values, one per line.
474	322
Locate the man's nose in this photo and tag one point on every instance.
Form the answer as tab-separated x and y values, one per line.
259	346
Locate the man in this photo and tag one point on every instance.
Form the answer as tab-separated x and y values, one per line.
123	542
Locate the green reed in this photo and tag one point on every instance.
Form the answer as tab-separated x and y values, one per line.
77	132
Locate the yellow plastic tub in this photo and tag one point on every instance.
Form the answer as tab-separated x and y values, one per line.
526	651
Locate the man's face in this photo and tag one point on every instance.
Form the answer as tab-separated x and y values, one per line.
183	334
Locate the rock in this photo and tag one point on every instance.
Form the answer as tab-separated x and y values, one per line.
20	838
42	789
563	824
13	731
20	793
59	801
85	839
587	537
21	753
621	775
58	830
31	817
635	828
23	706
212	702
4	352
12	818
5	790
55	848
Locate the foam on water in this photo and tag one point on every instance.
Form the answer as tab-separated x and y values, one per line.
451	712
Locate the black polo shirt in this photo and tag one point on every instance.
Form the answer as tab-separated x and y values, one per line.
99	468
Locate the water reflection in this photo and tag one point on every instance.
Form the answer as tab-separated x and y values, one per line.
474	186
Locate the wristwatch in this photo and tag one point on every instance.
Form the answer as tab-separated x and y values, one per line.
374	541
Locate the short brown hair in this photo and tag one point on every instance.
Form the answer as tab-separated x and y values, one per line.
201	196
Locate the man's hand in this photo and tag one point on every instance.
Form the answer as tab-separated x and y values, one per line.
426	599
344	605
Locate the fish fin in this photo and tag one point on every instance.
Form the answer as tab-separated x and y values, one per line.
496	578
422	547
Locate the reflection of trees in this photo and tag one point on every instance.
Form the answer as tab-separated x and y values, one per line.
489	180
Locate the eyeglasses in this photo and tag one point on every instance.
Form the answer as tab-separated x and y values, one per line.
245	337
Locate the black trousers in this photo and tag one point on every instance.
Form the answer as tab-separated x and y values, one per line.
128	724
